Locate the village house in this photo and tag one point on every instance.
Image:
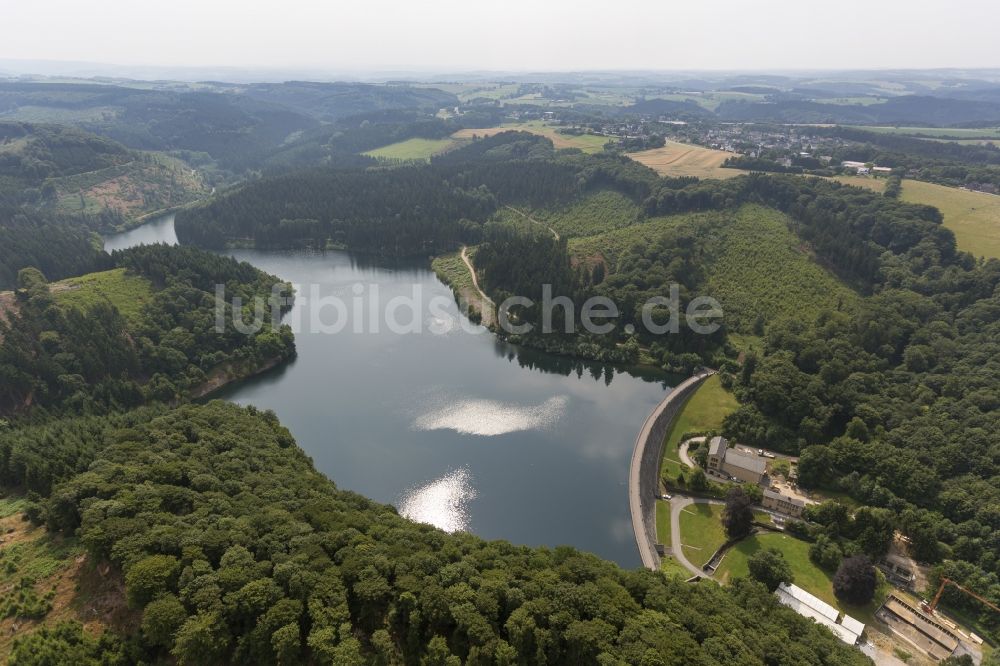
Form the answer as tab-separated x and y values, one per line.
728	462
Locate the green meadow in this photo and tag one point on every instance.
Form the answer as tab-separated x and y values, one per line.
412	149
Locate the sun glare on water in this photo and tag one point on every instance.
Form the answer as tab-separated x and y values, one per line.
489	418
442	503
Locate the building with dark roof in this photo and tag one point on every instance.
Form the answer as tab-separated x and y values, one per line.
735	463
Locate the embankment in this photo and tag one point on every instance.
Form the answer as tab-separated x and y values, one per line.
644	471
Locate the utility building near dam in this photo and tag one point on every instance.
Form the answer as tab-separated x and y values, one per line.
732	462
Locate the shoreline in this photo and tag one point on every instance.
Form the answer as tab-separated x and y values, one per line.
644	472
225	377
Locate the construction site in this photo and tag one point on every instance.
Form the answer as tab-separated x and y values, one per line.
923	627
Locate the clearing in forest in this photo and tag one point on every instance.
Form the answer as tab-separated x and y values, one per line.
412	149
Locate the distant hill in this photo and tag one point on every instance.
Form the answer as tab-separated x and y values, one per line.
669	107
236	126
69	170
903	110
333	101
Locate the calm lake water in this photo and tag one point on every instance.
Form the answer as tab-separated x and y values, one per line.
452	427
160	230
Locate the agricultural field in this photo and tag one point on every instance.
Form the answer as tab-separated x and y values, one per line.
937	132
470	91
685	159
588	143
598	212
807	575
128	293
973	216
969	142
413	149
701	532
867	182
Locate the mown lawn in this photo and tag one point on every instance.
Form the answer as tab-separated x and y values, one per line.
668	564
412	149
701	532
807	575
663	522
128	293
702	412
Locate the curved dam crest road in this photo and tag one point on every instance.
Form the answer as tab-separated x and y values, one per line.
644	472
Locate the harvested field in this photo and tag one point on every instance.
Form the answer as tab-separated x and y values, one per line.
684	159
588	143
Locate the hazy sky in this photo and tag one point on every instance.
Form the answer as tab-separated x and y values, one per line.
458	35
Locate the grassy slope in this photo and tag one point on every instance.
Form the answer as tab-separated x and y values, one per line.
412	149
663	522
128	293
701	532
807	575
702	412
451	270
686	159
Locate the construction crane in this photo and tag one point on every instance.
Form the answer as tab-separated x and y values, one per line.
929	608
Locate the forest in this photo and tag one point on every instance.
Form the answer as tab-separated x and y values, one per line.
402	211
57	357
891	400
236	550
31	153
58	245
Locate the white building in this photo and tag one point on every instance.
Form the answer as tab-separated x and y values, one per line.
846	628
